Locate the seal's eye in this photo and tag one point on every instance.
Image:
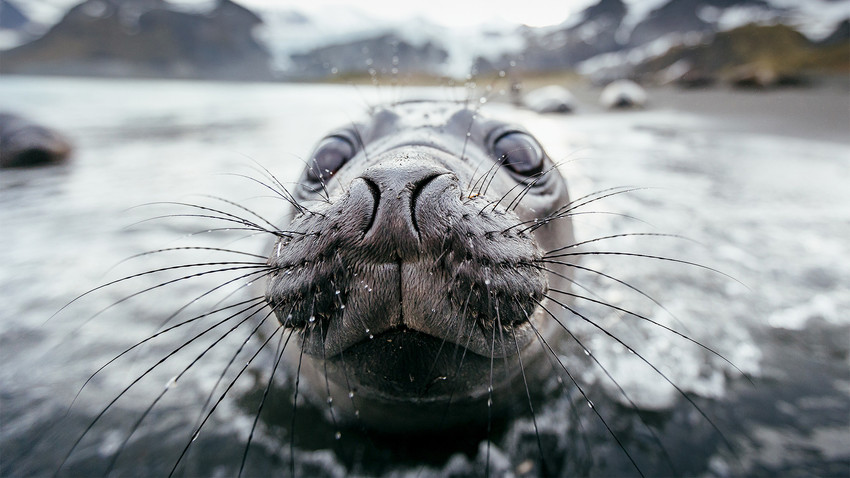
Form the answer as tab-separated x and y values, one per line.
330	155
519	152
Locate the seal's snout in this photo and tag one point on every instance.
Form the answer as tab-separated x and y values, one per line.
393	230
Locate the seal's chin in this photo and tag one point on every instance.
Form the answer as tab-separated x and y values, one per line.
404	364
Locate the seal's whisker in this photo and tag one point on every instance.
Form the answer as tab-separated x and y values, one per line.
645	256
191	248
650	364
325	366
261	275
623	393
264	268
613	236
197	430
351	393
494	169
281	350
282	193
658	324
139	378
611	278
535	180
460	329
223	215
295	403
248	265
527	186
218	381
171	383
254	302
472	326
481	180
239	221
566	210
273	226
288	196
543	467
555	364
490	401
595	197
582	391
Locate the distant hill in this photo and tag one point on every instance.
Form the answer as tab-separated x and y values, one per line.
758	54
146	38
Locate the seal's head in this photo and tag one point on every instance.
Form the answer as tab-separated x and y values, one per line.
409	267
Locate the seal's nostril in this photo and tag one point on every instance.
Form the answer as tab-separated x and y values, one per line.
396	186
414	195
376	200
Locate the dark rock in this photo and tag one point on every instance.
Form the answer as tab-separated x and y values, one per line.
550	99
623	94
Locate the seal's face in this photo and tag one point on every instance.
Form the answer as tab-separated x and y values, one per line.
409	266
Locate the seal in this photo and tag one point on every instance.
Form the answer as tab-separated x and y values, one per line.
418	288
410	268
25	144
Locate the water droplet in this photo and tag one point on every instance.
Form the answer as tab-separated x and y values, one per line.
350	394
501	73
312	319
278	250
590	404
482	100
371	336
330	400
369	62
337	435
489	402
468	134
337	292
587	352
341	306
486	281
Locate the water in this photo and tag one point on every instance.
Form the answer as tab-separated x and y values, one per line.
770	210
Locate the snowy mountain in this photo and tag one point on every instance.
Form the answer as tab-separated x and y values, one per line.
609	37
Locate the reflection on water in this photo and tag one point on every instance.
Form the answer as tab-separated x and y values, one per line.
772	211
